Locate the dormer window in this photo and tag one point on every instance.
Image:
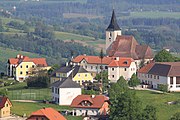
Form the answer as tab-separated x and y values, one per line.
125	62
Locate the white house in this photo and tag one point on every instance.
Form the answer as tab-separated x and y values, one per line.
91	105
154	74
64	91
92	63
125	67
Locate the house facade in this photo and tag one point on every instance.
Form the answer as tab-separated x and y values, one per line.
92	63
5	107
46	114
90	105
77	73
64	91
21	67
125	67
167	73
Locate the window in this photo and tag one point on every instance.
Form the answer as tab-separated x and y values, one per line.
85	75
91	67
125	69
52	89
6	105
106	67
26	72
158	77
85	67
42	118
79	75
154	76
26	66
148	75
110	34
32	66
21	72
36	118
151	76
21	66
96	67
112	76
112	69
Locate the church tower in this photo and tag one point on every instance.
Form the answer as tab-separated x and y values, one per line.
112	31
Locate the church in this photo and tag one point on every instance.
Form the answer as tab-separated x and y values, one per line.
118	45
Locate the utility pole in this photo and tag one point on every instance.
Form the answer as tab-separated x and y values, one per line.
101	56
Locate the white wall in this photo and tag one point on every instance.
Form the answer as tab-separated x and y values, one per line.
66	95
82	111
120	71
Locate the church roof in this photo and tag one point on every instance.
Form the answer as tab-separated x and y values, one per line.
127	46
113	24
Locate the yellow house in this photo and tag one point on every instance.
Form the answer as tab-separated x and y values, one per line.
5	107
81	75
21	67
77	73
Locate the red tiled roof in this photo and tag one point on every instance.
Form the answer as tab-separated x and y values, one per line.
122	62
92	59
20	58
50	113
146	68
162	68
127	46
97	101
3	100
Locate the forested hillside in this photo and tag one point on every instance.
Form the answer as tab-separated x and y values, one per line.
43	23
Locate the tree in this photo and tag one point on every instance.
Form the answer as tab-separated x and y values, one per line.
134	81
3	92
149	113
164	56
175	116
101	56
163	87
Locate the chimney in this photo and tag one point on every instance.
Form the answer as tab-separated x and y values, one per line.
92	96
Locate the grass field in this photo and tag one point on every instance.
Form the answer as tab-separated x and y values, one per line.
7	53
154	14
164	111
21	108
70	36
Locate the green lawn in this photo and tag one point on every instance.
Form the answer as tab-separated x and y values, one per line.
70	36
154	14
159	101
21	108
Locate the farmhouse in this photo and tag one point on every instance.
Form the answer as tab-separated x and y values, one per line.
5	107
91	105
154	74
46	114
21	67
64	91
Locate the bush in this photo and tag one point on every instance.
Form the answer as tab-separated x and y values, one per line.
3	92
41	81
163	87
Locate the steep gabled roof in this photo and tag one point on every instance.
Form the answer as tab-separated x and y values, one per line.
66	83
146	68
113	24
122	62
65	69
96	101
49	113
92	59
3	100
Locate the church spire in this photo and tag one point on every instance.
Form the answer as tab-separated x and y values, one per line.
113	24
